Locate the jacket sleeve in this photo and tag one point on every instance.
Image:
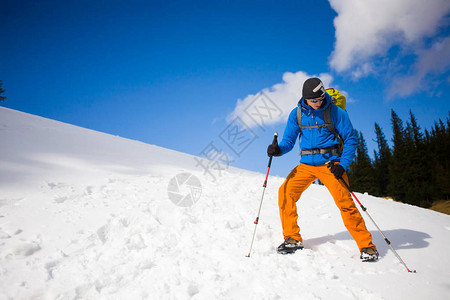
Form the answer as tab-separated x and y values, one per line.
345	129
290	134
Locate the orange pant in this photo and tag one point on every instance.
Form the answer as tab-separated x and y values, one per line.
298	181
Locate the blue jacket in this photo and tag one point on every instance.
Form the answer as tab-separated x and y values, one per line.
319	138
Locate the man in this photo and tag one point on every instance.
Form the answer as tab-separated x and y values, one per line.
322	158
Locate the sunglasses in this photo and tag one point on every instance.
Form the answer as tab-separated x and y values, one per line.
315	100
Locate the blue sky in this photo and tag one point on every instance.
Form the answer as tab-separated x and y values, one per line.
173	73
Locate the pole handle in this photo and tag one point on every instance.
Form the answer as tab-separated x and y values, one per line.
274	142
275	138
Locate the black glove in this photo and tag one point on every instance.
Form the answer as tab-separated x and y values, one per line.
273	150
337	170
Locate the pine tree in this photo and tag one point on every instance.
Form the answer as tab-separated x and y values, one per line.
418	189
438	146
2	98
446	163
361	173
417	136
381	164
398	167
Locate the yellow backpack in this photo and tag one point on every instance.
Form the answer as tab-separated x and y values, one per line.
337	98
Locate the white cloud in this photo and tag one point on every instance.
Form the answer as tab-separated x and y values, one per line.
368	29
431	63
272	105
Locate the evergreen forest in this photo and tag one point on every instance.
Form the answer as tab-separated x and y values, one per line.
415	170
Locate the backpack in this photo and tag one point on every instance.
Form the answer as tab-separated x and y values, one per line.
338	99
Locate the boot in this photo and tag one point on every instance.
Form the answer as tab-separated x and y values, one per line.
369	254
289	246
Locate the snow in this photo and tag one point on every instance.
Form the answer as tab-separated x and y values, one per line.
87	215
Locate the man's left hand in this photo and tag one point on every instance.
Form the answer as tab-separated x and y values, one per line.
337	170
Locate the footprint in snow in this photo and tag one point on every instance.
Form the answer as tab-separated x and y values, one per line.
24	250
61	199
54	185
4	235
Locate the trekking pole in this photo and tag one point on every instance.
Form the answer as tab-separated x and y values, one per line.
379	230
274	142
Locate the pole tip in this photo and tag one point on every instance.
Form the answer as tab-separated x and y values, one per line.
275	134
248	255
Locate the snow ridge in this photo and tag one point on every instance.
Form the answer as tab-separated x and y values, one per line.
86	215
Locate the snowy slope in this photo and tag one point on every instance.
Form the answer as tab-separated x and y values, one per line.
86	215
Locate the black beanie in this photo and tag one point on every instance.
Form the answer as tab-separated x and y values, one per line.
313	88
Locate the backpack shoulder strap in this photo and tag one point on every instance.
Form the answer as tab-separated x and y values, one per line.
328	122
299	118
327	118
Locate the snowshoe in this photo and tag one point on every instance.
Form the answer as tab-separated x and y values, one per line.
289	246
369	254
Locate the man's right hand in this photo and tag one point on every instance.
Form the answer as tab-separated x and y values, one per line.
273	150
